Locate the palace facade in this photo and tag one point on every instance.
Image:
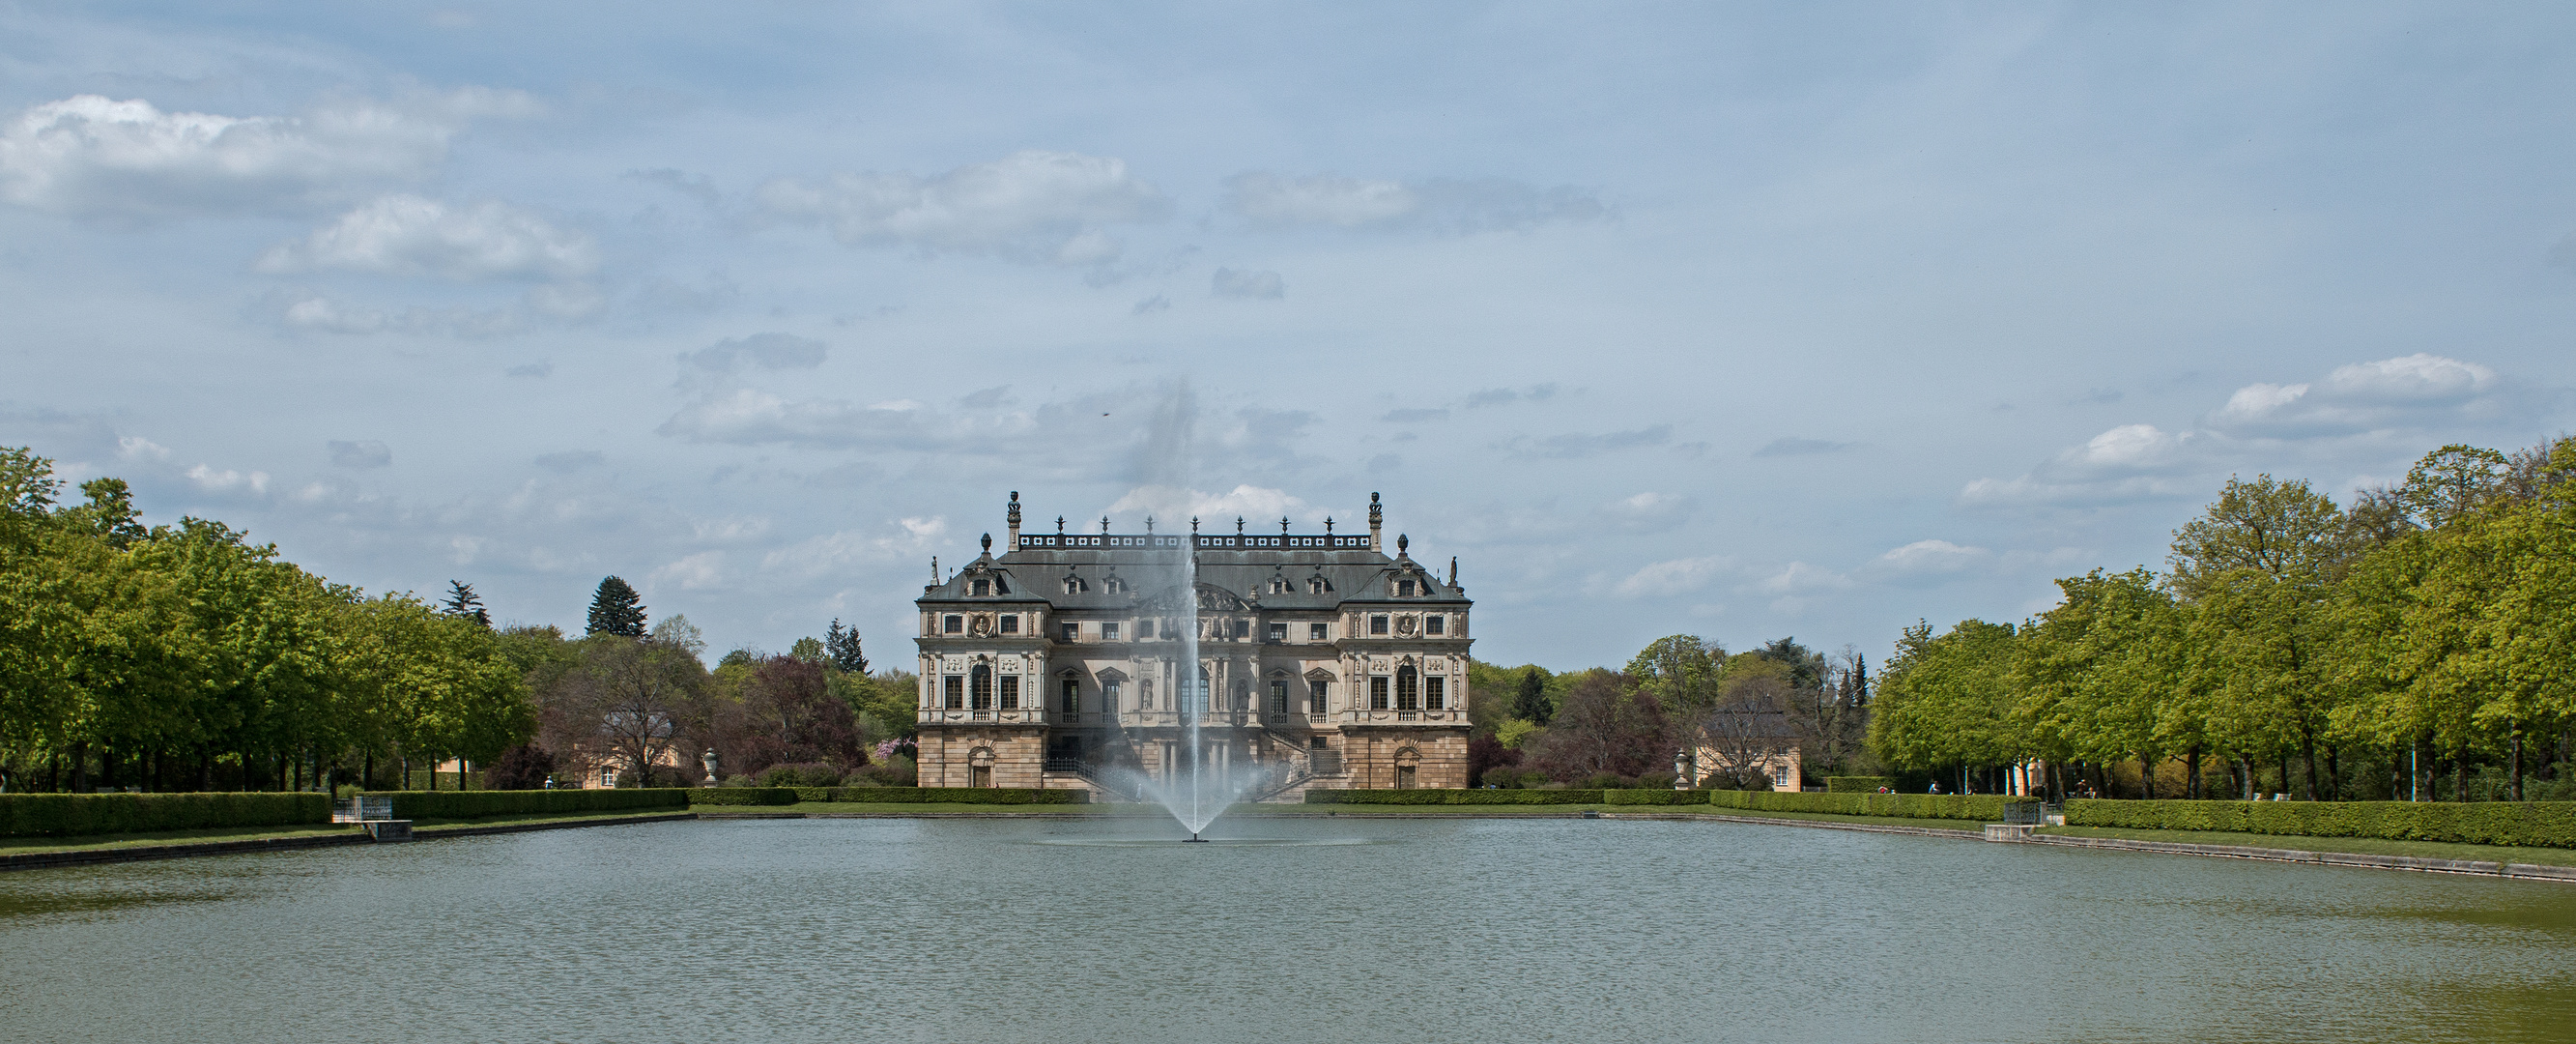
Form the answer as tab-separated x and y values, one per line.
1321	661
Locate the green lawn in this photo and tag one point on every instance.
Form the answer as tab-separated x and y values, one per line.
1969	825
2351	845
427	827
933	808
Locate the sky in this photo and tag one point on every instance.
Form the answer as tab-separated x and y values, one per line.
1738	320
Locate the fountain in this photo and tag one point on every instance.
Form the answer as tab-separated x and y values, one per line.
1197	782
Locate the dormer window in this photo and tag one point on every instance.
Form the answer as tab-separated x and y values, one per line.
1404	588
980	588
1278	585
1113	585
1074	585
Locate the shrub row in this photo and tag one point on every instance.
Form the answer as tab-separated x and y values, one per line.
2544	824
743	796
888	795
1656	796
475	804
70	815
1456	797
1982	808
1857	784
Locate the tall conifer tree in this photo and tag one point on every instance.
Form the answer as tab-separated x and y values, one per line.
617	609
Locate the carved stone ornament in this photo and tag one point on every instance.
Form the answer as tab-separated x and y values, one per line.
980	625
1404	626
953	665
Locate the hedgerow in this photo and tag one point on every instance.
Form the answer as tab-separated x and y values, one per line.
743	796
475	804
1454	797
72	815
1856	784
2543	824
1982	808
955	795
1655	796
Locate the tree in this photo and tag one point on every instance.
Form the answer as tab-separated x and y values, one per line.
617	609
1606	725
623	703
2258	568
1529	701
1681	671
1944	701
842	646
461	602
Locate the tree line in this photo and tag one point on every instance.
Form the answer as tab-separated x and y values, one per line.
186	657
2414	645
1683	709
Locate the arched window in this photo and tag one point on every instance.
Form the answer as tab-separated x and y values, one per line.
1316	584
1074	585
982	687
1113	585
1145	694
1408	689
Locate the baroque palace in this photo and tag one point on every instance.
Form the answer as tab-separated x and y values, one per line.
1321	661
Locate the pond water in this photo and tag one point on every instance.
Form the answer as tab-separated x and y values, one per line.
1287	930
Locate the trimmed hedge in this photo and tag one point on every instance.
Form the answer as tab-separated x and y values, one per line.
475	804
72	815
1457	797
1982	808
743	796
954	795
2540	824
1858	784
1660	796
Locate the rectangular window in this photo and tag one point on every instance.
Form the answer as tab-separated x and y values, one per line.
1243	629
608	777
980	587
1279	632
953	689
1404	588
980	692
1317	632
1109	695
1315	696
1780	777
1072	631
1408	690
1377	692
1010	692
1010	623
1436	696
1377	624
1278	697
1317	743
1145	630
1109	632
952	624
1435	624
1072	696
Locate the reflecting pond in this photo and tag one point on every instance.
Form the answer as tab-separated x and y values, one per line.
1287	930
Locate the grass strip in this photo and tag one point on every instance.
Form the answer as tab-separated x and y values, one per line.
882	808
2348	845
429	827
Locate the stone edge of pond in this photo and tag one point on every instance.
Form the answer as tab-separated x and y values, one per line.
139	853
2419	864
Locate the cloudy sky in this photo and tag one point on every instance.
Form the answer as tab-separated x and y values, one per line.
1742	320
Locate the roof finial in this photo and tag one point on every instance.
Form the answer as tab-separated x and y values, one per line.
1104	525
1238	525
1328	525
988	543
1059	525
1453	571
1194	525
934	570
1014	543
1283	525
1401	542
1377	519
1149	525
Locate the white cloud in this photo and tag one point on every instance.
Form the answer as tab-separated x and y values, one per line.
413	236
1037	207
2128	463
226	481
1445	204
2408	391
92	156
851	548
545	305
1677	576
1259	285
701	570
1932	556
1258	506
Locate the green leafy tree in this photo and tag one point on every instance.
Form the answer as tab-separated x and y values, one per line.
1945	701
617	609
1682	672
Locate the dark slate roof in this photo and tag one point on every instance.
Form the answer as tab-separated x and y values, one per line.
1154	575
